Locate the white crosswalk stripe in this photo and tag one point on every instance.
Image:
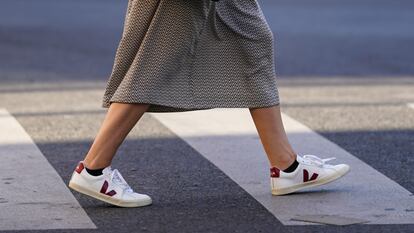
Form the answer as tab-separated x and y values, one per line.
36	198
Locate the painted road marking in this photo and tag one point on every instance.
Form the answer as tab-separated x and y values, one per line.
38	198
228	138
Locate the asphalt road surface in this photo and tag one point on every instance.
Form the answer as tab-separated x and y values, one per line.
345	70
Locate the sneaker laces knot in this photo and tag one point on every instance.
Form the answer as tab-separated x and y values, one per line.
118	179
315	160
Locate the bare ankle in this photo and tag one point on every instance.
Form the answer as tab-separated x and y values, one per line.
96	164
283	162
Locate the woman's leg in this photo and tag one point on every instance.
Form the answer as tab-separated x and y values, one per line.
268	122
118	122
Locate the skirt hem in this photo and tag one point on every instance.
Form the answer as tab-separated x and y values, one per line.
161	107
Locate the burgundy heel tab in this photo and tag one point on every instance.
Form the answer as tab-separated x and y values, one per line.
79	167
274	172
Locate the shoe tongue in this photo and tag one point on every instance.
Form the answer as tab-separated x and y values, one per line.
107	170
299	158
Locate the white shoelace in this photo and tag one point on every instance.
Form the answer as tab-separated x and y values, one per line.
118	179
315	160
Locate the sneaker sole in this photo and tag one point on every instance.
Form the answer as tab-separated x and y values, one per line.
310	184
108	199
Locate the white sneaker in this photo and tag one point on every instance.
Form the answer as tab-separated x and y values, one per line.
312	171
109	187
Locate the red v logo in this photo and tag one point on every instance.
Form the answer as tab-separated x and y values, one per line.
306	176
105	187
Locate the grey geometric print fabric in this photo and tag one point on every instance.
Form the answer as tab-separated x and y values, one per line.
184	55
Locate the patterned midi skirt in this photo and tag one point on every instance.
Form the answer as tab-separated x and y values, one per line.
183	55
